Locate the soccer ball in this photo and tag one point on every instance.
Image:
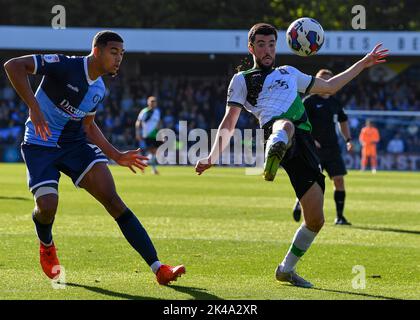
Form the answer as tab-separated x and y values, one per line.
305	36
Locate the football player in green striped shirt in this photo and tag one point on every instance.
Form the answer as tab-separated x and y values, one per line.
272	95
147	126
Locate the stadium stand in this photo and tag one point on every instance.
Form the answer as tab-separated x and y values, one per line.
201	102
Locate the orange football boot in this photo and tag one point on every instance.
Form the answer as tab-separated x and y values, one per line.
49	261
166	273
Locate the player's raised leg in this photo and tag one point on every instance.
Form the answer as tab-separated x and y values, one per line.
276	147
100	184
312	204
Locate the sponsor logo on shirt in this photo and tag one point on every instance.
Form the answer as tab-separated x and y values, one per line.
73	112
279	83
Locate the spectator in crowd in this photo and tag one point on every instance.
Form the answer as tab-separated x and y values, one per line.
396	145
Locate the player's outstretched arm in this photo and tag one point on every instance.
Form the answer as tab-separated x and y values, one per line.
129	159
224	133
17	70
332	85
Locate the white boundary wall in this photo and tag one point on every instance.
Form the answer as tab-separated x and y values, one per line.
404	43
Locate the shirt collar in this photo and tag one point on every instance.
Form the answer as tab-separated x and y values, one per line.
85	65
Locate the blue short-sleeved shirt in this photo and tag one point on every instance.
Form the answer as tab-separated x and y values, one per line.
66	95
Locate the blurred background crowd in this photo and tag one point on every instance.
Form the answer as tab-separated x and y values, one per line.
192	87
201	102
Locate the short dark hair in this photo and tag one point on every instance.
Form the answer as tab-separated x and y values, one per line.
102	38
150	98
261	28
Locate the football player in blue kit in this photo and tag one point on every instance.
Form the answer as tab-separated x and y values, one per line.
61	136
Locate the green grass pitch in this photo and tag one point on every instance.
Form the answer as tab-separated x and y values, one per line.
229	229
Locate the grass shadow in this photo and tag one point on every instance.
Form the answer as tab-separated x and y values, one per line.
386	230
356	294
110	293
196	293
15	198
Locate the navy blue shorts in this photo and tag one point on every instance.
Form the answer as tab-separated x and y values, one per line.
44	164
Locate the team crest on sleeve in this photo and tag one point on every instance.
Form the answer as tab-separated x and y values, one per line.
97	98
230	91
51	58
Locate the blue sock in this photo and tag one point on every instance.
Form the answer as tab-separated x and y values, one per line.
137	236
43	231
